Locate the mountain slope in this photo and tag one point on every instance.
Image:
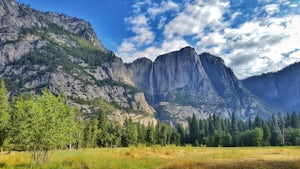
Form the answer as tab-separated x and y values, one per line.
48	50
279	89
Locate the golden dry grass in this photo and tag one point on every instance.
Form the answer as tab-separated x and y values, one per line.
169	157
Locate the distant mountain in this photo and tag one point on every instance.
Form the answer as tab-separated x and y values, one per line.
181	83
280	90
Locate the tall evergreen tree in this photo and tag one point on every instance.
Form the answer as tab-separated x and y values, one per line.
182	133
104	137
258	122
4	108
294	120
194	129
234	130
150	135
211	127
130	135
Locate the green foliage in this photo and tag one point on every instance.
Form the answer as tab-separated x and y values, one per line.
104	137
130	135
252	137
41	123
90	133
4	114
194	129
150	135
85	49
4	105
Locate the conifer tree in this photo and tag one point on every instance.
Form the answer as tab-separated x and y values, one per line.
4	108
150	135
294	120
234	130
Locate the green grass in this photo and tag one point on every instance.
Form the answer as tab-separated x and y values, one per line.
169	157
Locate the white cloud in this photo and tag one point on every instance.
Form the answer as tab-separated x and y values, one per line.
258	47
271	9
162	8
195	17
162	22
152	52
137	7
139	20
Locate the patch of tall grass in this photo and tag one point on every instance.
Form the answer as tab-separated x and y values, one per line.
167	157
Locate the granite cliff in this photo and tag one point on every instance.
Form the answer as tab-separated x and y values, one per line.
182	83
49	50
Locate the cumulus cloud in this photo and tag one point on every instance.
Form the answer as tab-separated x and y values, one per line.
259	47
165	6
271	9
152	52
195	18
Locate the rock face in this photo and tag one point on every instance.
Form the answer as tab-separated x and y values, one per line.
48	50
16	18
182	82
280	90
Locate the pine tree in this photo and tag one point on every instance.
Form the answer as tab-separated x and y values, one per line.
142	131
294	120
194	129
182	134
150	135
4	108
104	137
258	122
234	129
287	120
130	135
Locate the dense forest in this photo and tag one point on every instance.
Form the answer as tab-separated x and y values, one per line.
40	123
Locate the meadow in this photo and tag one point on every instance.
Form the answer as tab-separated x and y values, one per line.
169	157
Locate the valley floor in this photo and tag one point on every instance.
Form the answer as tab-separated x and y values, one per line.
169	157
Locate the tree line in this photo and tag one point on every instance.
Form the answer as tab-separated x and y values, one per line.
215	131
40	123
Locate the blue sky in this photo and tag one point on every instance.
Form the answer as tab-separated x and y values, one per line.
252	36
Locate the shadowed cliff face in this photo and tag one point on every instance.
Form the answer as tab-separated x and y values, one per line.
182	82
280	90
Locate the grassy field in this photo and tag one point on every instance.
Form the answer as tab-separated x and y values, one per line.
161	158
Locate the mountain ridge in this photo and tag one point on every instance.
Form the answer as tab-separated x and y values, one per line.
279	89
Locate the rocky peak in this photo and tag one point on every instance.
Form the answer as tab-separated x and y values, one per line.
15	17
221	77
